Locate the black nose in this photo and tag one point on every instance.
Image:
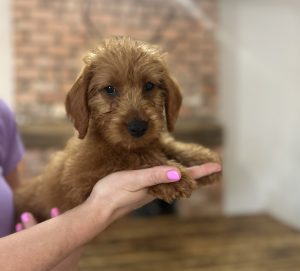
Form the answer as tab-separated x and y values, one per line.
137	128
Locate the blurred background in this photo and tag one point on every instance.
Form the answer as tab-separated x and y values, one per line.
238	63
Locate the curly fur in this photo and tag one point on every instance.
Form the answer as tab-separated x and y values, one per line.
103	144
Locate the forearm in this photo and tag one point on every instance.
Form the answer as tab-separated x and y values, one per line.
43	246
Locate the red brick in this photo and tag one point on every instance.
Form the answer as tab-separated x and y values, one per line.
50	37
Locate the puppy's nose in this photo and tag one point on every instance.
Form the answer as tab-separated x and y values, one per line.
137	128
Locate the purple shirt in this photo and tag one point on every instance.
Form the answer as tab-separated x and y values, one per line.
11	152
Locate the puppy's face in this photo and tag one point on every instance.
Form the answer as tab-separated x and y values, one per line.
125	94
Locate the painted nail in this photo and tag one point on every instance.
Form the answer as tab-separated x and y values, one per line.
173	175
25	217
54	212
216	168
19	227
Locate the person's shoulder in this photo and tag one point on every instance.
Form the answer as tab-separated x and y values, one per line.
4	108
6	113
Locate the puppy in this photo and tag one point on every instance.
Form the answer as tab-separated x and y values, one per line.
123	105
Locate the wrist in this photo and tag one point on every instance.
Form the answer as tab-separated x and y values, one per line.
99	213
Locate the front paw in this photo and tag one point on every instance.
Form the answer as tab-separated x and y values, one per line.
210	179
211	157
180	189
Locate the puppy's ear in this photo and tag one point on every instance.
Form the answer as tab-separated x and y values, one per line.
172	102
77	103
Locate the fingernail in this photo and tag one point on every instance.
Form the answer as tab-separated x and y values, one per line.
54	212
173	175
25	217
19	227
217	168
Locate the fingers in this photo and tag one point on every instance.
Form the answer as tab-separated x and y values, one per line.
204	170
28	220
140	179
54	212
19	227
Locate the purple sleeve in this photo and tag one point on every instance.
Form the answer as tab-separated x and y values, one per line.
11	148
11	152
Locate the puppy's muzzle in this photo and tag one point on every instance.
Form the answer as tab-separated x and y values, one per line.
137	128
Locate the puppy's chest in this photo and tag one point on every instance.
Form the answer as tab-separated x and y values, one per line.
138	160
112	161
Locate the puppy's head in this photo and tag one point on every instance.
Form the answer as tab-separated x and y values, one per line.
124	93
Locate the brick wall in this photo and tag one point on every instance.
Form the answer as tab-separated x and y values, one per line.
51	36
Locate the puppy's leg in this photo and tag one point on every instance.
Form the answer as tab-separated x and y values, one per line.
171	191
189	154
29	197
41	194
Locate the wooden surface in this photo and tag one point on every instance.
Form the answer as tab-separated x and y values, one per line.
213	244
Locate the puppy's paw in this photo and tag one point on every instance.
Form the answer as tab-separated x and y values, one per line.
172	191
210	179
212	157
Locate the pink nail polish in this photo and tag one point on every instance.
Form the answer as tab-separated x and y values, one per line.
19	227
173	175
54	212
25	217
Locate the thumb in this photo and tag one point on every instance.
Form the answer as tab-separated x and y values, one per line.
140	179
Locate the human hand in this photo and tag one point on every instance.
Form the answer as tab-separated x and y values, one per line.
70	263
112	197
122	192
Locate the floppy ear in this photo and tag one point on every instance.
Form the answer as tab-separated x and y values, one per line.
77	104
172	102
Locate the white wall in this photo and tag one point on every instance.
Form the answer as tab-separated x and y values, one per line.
6	66
260	97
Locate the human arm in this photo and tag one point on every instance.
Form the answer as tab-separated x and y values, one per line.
46	244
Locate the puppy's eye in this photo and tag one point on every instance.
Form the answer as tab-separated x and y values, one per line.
149	86
110	90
